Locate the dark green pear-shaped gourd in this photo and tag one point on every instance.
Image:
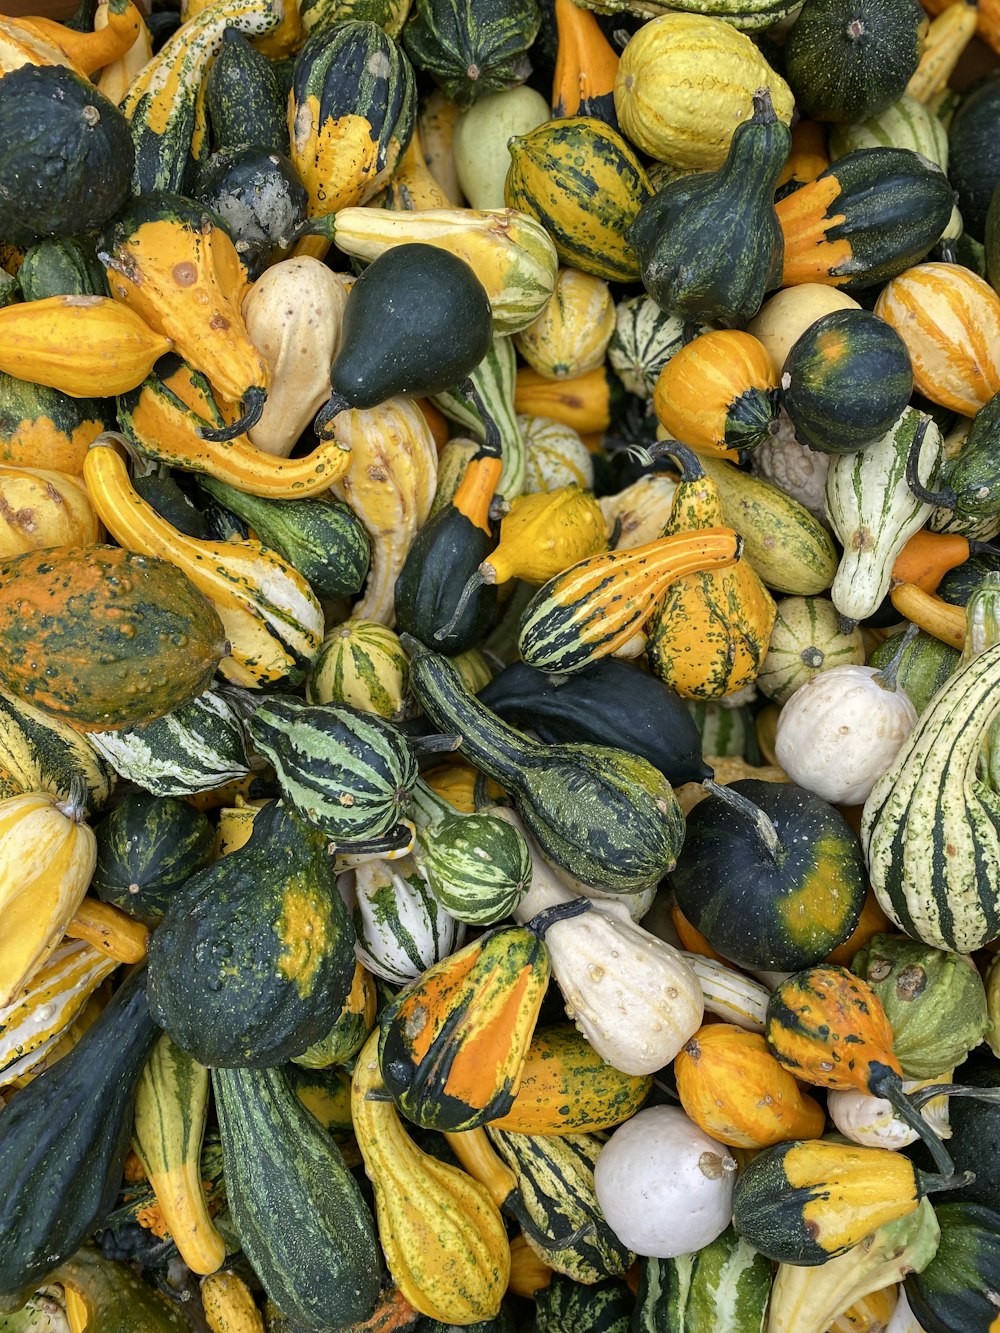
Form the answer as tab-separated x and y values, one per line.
710	245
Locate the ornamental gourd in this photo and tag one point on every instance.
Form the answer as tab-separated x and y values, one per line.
807	639
718	393
39	509
571	334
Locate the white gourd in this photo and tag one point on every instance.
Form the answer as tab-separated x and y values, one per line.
729	994
840	732
903	1319
783	319
481	135
401	929
664	1186
872	1122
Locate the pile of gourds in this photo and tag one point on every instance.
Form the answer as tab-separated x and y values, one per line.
500	673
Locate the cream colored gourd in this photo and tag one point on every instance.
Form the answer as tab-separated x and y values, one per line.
729	994
664	1186
39	509
640	510
903	1319
47	860
436	127
632	996
479	142
839	733
555	456
293	313
571	335
783	319
872	1122
800	472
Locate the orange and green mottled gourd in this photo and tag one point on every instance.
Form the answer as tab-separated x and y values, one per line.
444	1240
103	638
710	631
452	1046
719	393
734	1089
596	606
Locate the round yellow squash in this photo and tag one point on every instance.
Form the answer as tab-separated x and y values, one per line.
685	81
572	333
39	509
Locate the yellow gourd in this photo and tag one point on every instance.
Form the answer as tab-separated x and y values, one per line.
545	533
118	74
40	508
228	1305
571	334
109	929
946	38
412	187
91	51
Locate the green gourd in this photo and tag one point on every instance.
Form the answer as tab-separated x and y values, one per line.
477	866
244	98
147	848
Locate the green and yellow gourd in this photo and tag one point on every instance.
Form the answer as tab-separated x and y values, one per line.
472	50
570	335
40	753
709	632
477	866
110	1296
643	342
607	817
584	183
807	639
255	957
486	401
41	427
727	1284
350	1028
718	393
244	100
147	847
361	663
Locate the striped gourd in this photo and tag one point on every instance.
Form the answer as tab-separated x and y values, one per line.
555	1177
48	1004
346	771
597	605
477	866
197	747
724	730
729	994
584	183
40	753
571	334
361	663
930	830
644	340
493	380
745	15
724	1287
594	1307
401	928
165	104
555	456
807	639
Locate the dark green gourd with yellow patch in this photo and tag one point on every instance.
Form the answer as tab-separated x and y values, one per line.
255	956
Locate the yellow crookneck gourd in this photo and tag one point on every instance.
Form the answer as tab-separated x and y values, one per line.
116	76
87	52
411	187
271	617
110	930
710	631
229	1307
444	1240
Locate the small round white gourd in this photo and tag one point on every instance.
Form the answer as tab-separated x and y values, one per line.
664	1186
840	732
783	319
872	1122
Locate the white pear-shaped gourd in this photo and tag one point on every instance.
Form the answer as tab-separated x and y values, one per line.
633	997
872	1122
840	732
401	929
664	1186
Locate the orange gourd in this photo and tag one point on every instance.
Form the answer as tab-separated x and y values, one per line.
719	393
586	66
91	51
808	157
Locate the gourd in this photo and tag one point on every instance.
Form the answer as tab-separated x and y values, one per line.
349	1032
571	333
555	455
564	1303
973	160
593	608
731	1086
930	799
632	995
390	487
949	319
401	929
47	429
770	874
953	1289
874	213
147	848
583	80
644	340
147	665
169	261
665	1187
786	315
80	345
729	994
483	407
171	1106
361	663
271	617
477	866
686	84
925	663
471	52
244	100
585	403
806	1202
620	828
709	632
874	511
260	199
442	1234
727	1281
228	1305
325	1265
969	496
872	1122
292	315
849	60
639	512
693	238
40	753
846	381
718	393
946	38
60	266
65	1139
39	509
67	159
254	958
110	1296
841	731
111	931
412	188
807	639
480	140
584	183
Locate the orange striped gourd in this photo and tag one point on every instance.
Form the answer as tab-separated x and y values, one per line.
719	393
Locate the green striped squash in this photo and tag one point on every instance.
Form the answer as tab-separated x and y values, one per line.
197	747
40	753
807	639
930	830
723	1287
147	847
565	1306
555	456
361	663
47	1004
390	15
477	866
346	771
555	1177
924	665
644	340
493	379
472	49
401	928
723	730
453	459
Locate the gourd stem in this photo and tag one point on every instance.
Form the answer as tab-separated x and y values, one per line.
885	1082
541	923
325	226
74	807
427	807
943	499
398	838
691	468
514	1206
492	443
768	833
845	625
921	1096
480	792
472	584
334	405
763	110
954	1180
438	743
889	673
253	402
